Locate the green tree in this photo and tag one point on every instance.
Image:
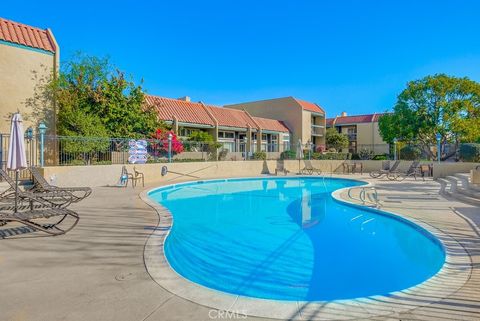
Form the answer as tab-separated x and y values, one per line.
336	140
449	106
115	105
202	141
200	136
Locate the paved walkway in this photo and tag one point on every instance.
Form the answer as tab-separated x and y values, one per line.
97	272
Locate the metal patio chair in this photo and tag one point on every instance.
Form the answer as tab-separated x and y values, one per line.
40	184
413	170
309	169
56	198
382	172
31	209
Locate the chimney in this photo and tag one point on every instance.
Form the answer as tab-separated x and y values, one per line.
184	98
343	114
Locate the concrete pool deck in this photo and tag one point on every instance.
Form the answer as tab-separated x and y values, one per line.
97	271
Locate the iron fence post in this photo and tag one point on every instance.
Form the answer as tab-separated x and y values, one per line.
42	130
439	145
170	147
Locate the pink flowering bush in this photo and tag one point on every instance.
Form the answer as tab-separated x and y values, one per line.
161	147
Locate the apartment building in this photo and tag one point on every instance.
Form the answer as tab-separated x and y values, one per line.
362	132
27	54
237	130
305	120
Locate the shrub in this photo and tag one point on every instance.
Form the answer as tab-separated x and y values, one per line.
260	155
470	152
222	155
161	147
331	156
105	162
200	136
410	152
380	157
288	154
320	148
77	162
365	154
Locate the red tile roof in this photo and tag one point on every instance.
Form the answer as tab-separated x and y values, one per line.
310	106
196	113
231	117
377	116
353	119
29	36
271	124
186	112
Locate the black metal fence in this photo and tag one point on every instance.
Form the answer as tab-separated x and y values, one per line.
70	151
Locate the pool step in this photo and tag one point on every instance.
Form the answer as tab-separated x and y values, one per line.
459	187
465	178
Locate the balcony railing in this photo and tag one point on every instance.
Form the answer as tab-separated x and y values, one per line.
318	130
352	136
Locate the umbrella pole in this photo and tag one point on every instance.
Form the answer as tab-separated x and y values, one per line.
16	189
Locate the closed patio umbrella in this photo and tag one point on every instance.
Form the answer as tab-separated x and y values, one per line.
299	153
17	158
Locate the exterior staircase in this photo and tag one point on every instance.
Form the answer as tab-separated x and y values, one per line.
459	187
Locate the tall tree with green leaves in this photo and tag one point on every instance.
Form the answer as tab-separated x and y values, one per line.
442	104
90	88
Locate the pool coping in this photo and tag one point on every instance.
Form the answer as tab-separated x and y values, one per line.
451	277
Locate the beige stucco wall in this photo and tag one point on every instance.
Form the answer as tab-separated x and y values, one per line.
306	126
103	175
17	68
368	136
284	109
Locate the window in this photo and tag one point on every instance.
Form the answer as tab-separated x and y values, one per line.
185	132
230	146
226	135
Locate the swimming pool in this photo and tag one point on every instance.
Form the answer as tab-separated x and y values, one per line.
288	239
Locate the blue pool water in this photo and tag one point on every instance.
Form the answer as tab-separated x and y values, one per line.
288	239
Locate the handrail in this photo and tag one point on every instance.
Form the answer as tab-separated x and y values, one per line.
363	195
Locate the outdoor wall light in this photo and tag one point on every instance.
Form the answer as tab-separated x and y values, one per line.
29	133
42	128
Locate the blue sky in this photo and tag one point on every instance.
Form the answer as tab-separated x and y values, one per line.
344	55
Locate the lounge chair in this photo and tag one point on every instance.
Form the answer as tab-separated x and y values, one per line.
56	198
309	169
41	185
400	176
380	173
281	168
134	177
31	208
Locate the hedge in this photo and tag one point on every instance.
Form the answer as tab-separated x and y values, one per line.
332	156
470	152
410	153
